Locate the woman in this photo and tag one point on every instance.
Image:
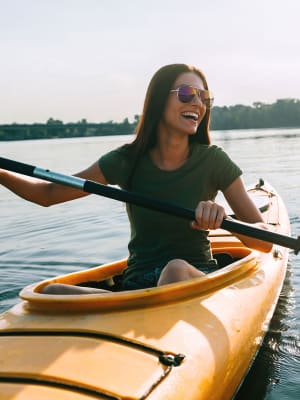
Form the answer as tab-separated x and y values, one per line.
170	159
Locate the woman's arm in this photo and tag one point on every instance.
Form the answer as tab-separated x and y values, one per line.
245	210
209	215
48	193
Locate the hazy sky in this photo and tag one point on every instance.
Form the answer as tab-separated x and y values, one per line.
93	59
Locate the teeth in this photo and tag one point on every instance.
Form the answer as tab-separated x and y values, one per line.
190	114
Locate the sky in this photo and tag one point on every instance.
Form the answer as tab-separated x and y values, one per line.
93	59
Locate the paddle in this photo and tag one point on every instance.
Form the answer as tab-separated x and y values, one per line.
143	201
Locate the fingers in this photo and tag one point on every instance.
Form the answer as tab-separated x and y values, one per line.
209	215
263	225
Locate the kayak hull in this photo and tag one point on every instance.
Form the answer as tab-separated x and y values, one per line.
188	340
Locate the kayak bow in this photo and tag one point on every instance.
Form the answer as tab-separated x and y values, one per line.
178	341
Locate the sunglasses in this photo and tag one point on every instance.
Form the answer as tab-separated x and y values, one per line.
186	94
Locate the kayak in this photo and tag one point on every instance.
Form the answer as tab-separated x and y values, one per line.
187	340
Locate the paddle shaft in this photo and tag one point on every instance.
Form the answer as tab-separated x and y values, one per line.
144	201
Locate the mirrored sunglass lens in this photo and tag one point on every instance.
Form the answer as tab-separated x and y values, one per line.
186	93
206	98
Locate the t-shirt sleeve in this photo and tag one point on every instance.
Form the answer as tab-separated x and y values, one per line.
115	167
225	171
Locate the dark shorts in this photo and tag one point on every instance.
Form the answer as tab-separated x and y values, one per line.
150	278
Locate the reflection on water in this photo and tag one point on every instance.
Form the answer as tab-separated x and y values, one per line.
39	243
281	345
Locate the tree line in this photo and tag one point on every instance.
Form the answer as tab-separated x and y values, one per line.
282	113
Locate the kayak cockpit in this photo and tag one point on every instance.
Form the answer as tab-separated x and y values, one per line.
106	276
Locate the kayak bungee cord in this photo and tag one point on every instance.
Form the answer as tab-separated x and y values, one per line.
144	201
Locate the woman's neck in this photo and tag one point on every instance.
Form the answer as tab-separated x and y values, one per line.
170	154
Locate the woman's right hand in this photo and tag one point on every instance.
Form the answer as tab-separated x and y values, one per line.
209	215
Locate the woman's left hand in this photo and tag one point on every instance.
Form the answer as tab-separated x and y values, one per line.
209	215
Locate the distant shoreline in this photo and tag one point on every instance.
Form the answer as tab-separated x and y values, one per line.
284	113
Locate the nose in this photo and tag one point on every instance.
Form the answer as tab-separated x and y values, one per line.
197	100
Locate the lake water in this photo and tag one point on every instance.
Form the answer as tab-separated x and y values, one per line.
38	243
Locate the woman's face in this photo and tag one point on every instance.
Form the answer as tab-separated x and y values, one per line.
181	117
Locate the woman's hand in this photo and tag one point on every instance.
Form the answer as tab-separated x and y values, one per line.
209	215
253	243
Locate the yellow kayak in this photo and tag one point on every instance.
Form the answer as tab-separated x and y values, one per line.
189	340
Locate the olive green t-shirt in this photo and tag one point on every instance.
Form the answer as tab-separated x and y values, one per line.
156	238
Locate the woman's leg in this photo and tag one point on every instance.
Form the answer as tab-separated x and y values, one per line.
60	288
178	270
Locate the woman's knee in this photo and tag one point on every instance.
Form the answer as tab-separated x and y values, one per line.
175	266
178	270
175	270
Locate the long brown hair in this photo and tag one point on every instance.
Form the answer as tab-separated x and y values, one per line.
154	106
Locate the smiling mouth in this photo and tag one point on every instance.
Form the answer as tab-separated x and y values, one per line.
190	115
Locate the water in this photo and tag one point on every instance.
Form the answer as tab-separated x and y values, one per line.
38	243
